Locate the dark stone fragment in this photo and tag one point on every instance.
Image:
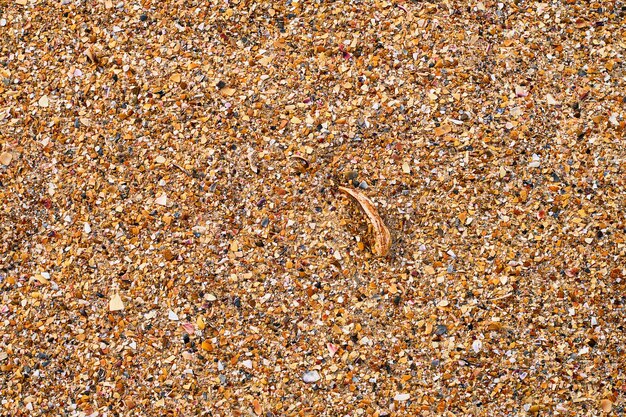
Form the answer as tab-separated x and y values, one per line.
441	329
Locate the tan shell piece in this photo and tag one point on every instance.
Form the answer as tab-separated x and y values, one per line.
382	237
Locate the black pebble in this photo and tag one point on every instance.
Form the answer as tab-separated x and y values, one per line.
237	302
441	329
143	17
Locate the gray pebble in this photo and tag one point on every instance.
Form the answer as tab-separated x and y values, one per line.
311	377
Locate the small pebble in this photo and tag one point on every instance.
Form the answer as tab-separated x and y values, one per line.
311	377
477	346
6	158
535	162
402	397
441	329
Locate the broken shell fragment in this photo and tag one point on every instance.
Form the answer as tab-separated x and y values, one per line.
382	237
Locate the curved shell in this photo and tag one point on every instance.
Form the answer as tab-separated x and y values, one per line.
382	237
